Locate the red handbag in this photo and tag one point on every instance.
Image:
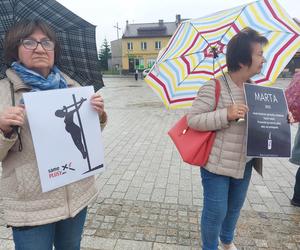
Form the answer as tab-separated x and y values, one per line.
194	146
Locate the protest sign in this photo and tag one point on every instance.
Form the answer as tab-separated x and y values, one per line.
268	130
66	135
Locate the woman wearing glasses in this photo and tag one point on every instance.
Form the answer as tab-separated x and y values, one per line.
38	220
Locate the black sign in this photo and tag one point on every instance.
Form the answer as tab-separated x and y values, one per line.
268	130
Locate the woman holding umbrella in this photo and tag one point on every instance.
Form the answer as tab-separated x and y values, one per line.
226	176
38	220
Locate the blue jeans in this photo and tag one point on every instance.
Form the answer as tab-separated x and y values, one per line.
64	234
223	199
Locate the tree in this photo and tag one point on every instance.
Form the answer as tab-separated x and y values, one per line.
104	55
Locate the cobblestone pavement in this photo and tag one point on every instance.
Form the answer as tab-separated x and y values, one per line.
150	199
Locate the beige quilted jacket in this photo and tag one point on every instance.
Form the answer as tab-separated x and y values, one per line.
228	153
24	202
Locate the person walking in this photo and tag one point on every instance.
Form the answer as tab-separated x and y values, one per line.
295	158
226	176
136	74
38	220
292	93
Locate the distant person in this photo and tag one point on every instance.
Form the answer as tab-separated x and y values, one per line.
295	158
292	66
226	176
38	220
292	95
295	201
136	74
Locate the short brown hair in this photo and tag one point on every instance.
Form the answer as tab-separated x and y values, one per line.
239	48
22	30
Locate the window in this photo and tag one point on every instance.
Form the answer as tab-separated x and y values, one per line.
158	45
130	46
141	66
143	45
139	63
150	62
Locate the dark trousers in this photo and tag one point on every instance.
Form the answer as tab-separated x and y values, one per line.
296	196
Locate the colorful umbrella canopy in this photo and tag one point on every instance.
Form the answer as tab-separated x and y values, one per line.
75	35
187	62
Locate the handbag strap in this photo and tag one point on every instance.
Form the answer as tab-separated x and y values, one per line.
12	93
15	128
217	97
217	92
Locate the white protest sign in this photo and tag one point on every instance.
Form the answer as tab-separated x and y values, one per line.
66	135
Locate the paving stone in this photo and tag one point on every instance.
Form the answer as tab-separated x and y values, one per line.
118	195
263	191
98	243
132	193
5	232
133	245
6	244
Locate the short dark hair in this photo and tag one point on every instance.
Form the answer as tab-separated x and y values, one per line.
22	30
239	48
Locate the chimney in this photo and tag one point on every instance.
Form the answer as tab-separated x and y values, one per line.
126	23
160	22
178	19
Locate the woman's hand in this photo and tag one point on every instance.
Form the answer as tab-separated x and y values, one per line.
12	116
291	118
97	103
236	111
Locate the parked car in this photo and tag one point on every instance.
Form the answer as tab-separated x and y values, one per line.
145	72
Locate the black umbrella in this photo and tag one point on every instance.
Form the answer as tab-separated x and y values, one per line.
76	37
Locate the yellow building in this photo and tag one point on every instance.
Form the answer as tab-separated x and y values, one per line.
141	43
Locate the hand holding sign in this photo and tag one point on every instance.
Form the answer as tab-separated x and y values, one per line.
236	111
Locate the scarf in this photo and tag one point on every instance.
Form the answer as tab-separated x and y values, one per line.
33	79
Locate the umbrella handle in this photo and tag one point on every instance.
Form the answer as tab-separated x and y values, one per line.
228	88
239	120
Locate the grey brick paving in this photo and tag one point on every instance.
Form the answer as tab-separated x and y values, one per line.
150	199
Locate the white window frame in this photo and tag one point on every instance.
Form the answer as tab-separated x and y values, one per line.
157	44
130	46
143	45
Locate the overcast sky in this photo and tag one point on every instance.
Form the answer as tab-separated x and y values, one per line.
107	13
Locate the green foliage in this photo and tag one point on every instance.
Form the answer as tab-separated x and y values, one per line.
104	54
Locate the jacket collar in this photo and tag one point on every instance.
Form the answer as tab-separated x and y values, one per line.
232	84
18	83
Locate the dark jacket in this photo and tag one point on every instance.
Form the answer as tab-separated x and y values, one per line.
295	158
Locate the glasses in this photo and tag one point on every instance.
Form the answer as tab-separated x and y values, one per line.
32	44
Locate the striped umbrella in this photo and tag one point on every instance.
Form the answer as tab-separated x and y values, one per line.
187	61
76	37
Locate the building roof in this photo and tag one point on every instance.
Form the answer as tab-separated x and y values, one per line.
160	29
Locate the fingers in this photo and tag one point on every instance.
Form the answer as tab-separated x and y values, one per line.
291	118
97	103
236	111
12	116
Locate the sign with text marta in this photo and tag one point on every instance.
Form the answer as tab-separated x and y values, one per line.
268	130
